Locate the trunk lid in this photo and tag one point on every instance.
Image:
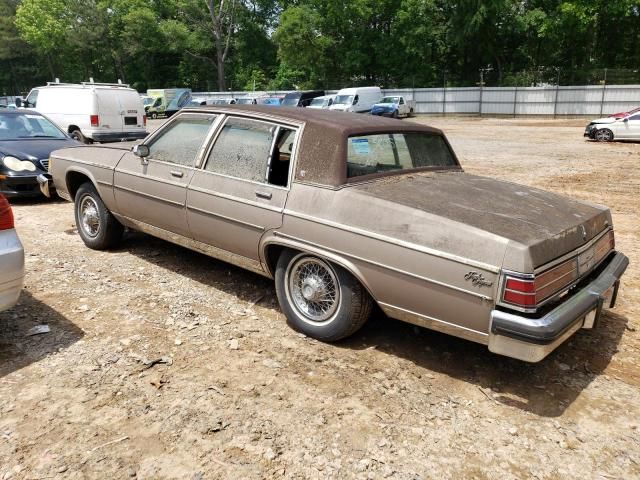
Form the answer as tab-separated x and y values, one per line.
537	226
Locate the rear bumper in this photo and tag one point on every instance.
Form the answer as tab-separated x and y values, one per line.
20	186
12	272
531	339
116	136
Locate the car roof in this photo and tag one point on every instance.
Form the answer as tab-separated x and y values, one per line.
324	140
19	111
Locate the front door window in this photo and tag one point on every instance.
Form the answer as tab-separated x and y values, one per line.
180	142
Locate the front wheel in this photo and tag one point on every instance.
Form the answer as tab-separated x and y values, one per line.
154	115
604	135
97	227
319	299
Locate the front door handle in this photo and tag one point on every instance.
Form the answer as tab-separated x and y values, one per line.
265	195
176	173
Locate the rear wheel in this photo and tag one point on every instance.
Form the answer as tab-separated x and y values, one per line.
97	227
604	135
77	135
320	299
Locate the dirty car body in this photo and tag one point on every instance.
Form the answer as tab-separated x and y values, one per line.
350	211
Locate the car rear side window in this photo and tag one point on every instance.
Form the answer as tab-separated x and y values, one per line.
380	153
180	142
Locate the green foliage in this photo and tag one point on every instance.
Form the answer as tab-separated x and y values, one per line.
207	44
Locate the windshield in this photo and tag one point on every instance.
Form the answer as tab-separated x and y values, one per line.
343	100
291	101
390	100
147	101
318	102
18	126
389	152
245	101
218	101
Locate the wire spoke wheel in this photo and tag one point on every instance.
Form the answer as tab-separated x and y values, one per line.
313	289
89	216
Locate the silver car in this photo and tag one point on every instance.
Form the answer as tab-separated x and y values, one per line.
11	258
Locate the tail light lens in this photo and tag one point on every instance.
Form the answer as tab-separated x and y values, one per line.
95	120
144	120
6	214
520	292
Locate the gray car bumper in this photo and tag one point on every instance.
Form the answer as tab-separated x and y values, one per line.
532	339
12	271
117	136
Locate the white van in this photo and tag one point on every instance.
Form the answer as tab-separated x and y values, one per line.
92	112
358	99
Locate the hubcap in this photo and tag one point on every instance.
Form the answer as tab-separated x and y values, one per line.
89	216
312	287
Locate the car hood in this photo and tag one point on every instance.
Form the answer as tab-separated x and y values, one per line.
34	149
385	105
605	120
483	219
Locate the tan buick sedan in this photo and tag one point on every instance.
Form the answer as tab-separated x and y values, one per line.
346	211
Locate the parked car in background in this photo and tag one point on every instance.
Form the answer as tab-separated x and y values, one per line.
221	101
322	102
91	112
11	258
270	100
301	98
348	211
611	128
357	100
246	101
394	106
26	140
625	114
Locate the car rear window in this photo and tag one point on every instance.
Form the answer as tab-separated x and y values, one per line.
380	153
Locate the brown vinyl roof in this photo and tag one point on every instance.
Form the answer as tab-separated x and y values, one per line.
323	147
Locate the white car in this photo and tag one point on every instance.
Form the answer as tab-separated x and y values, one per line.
323	102
91	112
11	258
611	128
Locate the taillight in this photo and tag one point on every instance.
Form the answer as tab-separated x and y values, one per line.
6	214
95	120
520	292
144	120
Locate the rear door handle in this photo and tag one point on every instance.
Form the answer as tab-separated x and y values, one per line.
176	173
265	195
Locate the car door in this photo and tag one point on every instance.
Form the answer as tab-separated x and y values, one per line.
241	189
630	128
154	190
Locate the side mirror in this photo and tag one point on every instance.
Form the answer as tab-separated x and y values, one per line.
18	102
626	120
141	151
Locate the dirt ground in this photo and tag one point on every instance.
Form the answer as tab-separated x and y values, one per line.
164	363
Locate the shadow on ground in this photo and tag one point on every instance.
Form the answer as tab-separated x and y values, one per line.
17	348
546	388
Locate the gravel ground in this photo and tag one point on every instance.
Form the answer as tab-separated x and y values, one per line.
164	363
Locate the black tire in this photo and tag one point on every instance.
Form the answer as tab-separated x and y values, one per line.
410	114
154	115
604	135
394	114
351	306
99	229
77	135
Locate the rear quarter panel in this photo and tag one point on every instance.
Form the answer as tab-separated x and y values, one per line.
411	279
